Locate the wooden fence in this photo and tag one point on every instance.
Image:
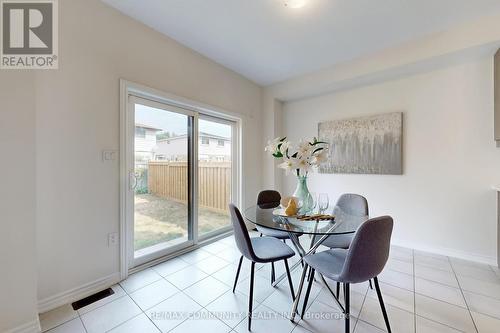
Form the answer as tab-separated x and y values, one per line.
170	180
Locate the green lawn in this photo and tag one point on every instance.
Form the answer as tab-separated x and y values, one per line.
159	220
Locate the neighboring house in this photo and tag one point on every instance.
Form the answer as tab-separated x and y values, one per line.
210	148
145	142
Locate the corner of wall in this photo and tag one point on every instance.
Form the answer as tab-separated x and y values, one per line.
272	116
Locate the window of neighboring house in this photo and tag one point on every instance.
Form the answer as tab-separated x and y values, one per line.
205	141
220	143
140	132
160	157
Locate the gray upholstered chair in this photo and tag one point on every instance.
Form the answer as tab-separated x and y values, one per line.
257	250
364	260
271	199
351	204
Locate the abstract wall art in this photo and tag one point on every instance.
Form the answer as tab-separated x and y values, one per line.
365	145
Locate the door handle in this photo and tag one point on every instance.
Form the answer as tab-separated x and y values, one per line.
132	180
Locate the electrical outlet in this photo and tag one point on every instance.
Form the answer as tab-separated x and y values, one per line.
113	239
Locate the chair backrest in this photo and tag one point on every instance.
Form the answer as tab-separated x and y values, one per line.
369	250
241	233
268	199
353	204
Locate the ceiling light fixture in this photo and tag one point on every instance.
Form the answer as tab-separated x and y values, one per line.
295	4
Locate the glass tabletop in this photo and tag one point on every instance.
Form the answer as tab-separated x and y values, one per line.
343	223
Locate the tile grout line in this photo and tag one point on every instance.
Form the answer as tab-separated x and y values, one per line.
437	282
65	322
83	324
126	321
445	325
463	295
142	311
81	320
361	309
216	318
205	307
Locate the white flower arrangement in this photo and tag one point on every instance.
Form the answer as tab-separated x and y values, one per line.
302	158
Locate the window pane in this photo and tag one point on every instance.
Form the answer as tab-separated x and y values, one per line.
161	179
215	176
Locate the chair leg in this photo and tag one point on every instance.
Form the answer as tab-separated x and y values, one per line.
338	289
370	282
347	296
382	306
308	292
273	277
250	298
290	283
237	273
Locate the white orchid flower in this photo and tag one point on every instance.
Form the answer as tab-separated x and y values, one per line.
285	145
304	149
303	165
288	165
320	157
272	145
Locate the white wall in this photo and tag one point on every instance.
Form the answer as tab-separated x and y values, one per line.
444	201
78	116
18	306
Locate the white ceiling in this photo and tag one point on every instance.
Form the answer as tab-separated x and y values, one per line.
268	42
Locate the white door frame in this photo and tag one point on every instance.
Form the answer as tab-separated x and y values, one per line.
158	99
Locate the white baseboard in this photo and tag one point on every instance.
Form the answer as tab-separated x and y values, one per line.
31	327
447	252
77	293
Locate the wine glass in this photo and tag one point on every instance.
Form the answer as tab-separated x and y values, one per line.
314	201
323	202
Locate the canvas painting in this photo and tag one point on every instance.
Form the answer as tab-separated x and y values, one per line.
365	145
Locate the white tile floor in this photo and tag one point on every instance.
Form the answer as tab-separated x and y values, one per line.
424	293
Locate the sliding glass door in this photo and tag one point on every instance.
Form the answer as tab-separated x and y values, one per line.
182	176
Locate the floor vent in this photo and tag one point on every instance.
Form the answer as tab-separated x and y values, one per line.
92	298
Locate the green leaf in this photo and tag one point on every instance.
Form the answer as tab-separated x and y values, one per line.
278	154
318	149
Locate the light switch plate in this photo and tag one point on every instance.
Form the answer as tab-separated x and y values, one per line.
113	239
109	155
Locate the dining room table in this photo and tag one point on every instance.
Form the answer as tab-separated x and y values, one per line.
317	226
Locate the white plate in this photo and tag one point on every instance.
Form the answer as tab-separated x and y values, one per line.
281	212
